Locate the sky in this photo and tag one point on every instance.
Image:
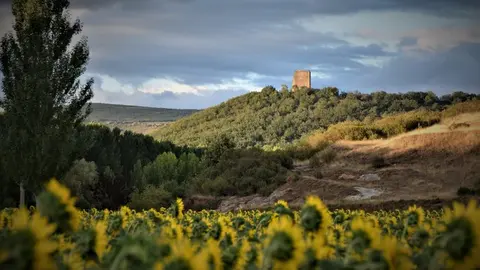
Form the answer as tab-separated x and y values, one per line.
199	53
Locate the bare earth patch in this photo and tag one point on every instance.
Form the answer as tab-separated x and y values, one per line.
424	165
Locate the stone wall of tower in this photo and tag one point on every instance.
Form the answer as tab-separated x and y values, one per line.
302	78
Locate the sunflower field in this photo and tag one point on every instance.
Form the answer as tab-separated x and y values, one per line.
57	235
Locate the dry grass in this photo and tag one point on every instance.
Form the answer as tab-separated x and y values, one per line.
426	164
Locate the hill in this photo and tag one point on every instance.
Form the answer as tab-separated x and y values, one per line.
276	118
135	118
102	112
427	167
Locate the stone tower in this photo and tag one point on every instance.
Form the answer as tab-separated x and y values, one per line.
302	78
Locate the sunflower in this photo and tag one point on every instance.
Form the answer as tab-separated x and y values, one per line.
282	203
65	245
73	261
242	258
314	216
460	235
214	254
183	257
284	244
336	236
125	213
281	209
101	239
57	204
226	231
415	217
173	230
176	209
320	247
35	230
361	235
393	254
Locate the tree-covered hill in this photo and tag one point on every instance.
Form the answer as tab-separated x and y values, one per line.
272	117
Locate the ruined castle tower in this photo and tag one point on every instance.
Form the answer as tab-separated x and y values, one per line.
302	78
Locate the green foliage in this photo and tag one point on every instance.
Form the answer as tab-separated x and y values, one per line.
314	161
217	147
80	179
171	173
43	98
243	172
278	118
151	197
464	107
327	155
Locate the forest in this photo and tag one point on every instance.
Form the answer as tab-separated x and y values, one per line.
272	118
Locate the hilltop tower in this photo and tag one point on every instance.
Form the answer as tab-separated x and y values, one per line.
302	78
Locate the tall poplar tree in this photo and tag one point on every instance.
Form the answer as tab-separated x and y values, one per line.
44	99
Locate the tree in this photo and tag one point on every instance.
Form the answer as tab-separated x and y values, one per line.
80	179
44	100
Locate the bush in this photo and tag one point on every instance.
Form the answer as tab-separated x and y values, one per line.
151	197
82	179
314	162
327	155
464	107
317	173
292	177
369	130
464	191
243	172
378	162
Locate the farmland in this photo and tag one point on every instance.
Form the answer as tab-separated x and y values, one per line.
57	235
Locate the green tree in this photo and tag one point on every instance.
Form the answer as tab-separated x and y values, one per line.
43	98
80	179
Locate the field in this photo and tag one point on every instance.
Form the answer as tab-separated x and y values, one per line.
135	118
57	235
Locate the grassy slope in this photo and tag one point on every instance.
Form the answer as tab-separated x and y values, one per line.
421	166
102	112
274	117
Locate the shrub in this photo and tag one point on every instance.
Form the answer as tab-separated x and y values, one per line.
150	197
243	172
317	173
378	162
464	191
464	107
396	124
327	155
368	130
292	177
82	179
314	162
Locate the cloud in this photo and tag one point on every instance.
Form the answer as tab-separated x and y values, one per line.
198	53
170	92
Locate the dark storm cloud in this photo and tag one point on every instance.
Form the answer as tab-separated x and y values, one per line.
210	41
302	7
456	69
